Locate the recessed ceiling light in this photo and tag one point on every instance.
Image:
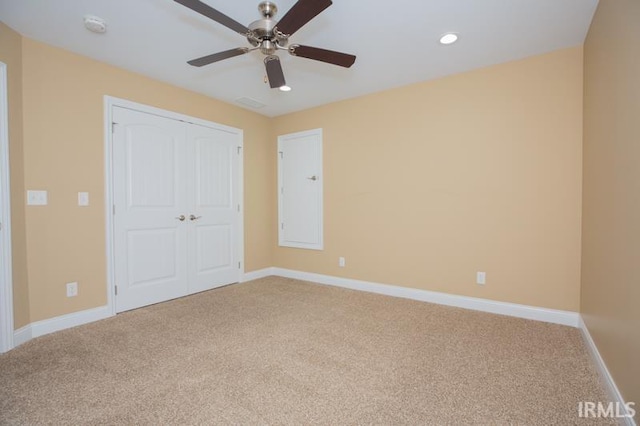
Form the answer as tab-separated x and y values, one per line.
95	24
448	38
285	88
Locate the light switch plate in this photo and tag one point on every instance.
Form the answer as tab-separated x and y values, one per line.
83	199
37	198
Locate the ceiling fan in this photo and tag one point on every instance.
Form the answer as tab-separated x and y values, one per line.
269	36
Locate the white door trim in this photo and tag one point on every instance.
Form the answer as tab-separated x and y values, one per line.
109	103
6	280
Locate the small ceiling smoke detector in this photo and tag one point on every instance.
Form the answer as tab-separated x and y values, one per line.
448	38
95	24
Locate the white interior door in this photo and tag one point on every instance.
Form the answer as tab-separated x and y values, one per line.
177	218
213	258
150	194
300	190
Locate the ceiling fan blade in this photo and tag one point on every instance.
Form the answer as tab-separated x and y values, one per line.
301	13
209	59
211	13
323	55
274	71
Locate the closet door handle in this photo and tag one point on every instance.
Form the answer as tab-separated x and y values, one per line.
192	217
181	218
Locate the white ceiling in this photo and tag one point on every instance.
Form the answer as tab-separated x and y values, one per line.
396	42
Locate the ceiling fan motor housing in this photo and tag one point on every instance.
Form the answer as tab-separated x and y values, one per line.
262	32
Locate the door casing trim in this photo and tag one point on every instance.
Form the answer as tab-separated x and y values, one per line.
6	275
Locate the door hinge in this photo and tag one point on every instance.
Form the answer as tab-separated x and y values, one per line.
113	126
238	265
238	208
116	289
239	148
281	154
114	209
282	225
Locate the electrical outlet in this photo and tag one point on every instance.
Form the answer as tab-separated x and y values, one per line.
341	262
481	278
72	289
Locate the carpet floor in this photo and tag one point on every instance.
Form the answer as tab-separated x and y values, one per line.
281	351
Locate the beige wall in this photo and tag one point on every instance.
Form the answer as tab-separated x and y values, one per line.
64	153
424	185
427	184
611	210
11	55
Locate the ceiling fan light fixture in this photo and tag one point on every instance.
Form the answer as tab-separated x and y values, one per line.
267	47
285	88
448	38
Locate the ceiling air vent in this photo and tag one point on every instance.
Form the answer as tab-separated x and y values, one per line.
252	103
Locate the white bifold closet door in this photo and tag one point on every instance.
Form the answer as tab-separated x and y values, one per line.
176	212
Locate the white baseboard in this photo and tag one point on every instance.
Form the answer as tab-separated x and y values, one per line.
260	273
40	328
607	379
484	305
22	335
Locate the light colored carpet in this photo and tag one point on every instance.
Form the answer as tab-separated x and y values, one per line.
280	351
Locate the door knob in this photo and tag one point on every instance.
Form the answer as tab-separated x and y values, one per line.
192	217
312	178
181	218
